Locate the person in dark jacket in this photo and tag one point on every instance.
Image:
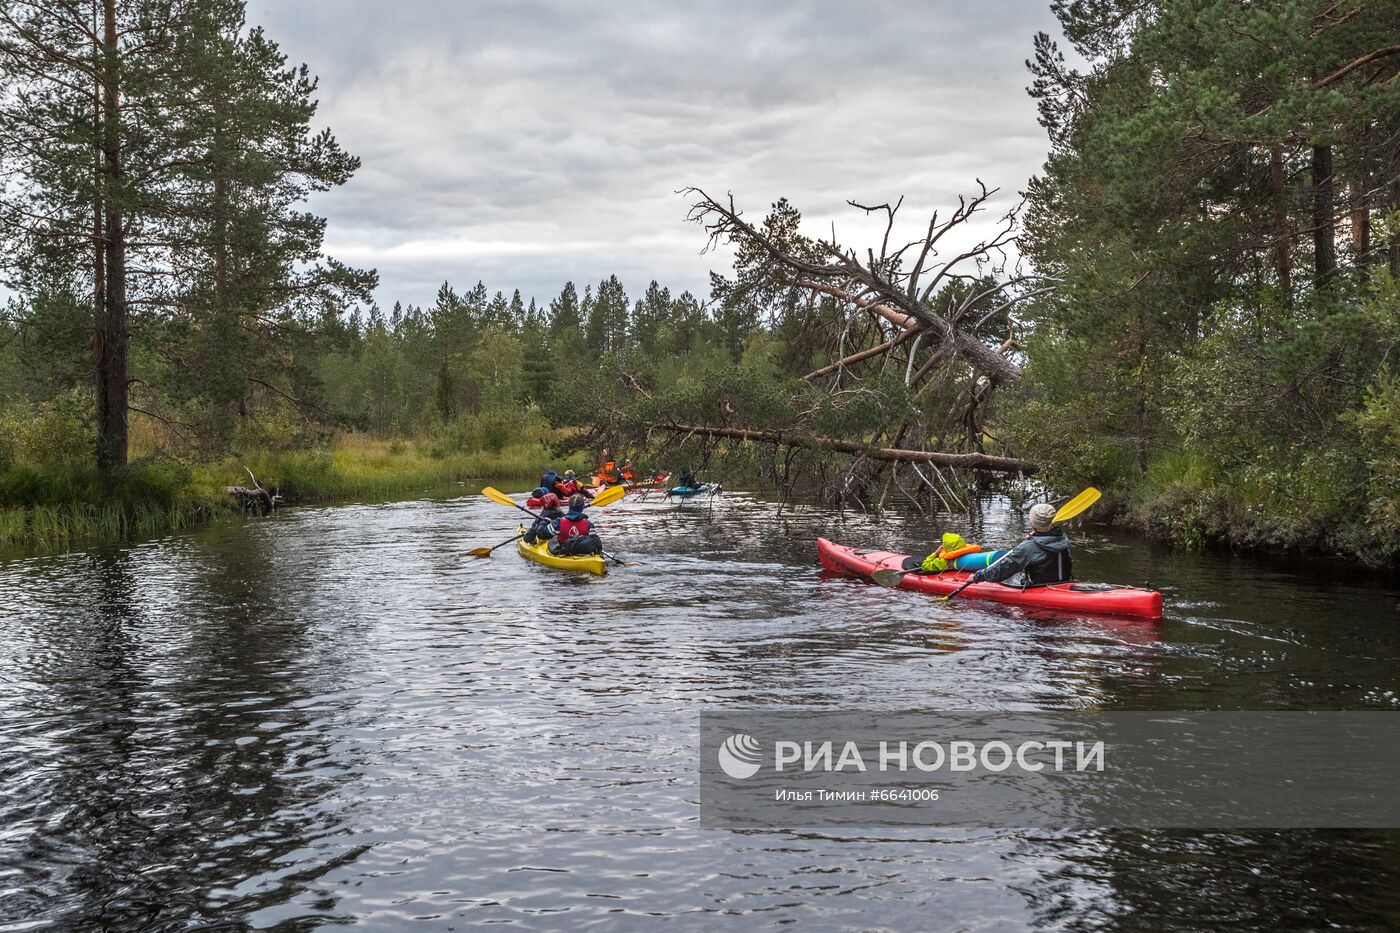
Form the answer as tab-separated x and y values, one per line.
687	479
1042	558
576	535
547	525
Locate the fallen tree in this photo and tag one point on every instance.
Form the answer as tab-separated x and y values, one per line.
966	461
843	363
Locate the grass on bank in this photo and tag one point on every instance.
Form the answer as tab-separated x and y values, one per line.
50	506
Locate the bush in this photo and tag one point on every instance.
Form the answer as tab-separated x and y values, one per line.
58	432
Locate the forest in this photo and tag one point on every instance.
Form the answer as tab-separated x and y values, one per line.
1192	306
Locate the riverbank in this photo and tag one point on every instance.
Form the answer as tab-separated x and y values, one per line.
51	507
1298	511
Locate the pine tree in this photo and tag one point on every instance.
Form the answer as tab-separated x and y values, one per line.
197	190
564	311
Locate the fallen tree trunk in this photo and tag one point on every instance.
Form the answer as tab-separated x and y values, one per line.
865	304
972	461
254	497
862	355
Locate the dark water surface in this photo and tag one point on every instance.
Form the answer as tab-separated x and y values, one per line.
334	716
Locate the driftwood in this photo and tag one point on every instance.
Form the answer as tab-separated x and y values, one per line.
968	461
254	497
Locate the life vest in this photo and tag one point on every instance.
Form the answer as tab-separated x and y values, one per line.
628	475
609	475
951	549
574	525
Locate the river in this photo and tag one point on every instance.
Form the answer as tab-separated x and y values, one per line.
333	715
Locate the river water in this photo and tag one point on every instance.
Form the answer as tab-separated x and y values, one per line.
335	716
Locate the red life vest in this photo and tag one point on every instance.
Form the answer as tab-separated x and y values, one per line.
568	487
568	528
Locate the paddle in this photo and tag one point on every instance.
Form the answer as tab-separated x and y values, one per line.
619	560
892	578
486	551
606	497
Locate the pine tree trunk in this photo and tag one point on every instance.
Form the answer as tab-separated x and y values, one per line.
111	359
1283	254
1394	241
1361	205
1324	233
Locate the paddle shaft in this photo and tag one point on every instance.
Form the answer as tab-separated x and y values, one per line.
613	557
957	591
494	546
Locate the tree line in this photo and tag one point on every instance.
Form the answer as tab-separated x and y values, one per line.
1193	306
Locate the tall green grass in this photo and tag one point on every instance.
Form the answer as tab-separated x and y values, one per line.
49	507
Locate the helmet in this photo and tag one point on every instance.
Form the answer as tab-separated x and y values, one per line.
550	501
539	493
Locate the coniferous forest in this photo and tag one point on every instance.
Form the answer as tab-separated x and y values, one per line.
1193	306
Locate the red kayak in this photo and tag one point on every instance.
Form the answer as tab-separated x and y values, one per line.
1100	598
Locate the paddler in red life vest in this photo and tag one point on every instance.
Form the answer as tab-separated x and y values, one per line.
576	535
546	526
569	486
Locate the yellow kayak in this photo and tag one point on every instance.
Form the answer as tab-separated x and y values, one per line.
539	553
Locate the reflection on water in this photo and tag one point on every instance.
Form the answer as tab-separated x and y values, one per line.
334	714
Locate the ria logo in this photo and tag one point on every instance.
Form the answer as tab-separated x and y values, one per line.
740	756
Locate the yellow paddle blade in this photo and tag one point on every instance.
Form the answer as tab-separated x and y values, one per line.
609	496
495	495
1078	504
481	551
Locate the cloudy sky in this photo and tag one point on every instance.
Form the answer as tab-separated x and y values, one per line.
526	143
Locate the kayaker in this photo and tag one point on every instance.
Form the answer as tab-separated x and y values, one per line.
576	535
687	479
628	473
546	526
1042	558
608	473
569	486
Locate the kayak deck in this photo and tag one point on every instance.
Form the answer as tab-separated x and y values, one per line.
686	492
1070	597
539	553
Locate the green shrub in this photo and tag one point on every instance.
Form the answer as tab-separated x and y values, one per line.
57	432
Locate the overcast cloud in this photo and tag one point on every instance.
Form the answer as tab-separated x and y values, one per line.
525	143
